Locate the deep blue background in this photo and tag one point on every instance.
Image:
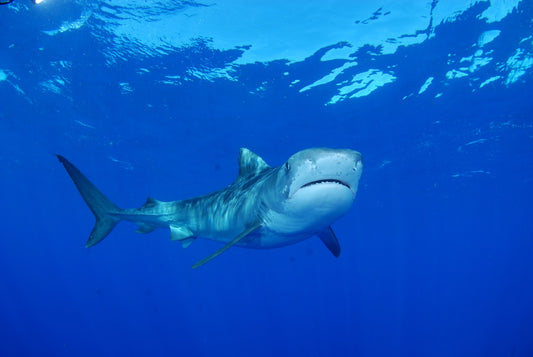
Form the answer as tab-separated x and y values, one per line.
437	249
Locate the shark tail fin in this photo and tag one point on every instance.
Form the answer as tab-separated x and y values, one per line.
99	204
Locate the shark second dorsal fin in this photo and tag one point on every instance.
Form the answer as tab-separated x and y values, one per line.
150	202
250	164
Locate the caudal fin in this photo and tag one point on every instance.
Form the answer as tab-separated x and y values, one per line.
99	204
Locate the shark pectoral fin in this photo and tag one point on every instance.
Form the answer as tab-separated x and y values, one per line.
185	243
145	228
180	233
228	245
330	240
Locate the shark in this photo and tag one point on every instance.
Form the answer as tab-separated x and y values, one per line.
265	207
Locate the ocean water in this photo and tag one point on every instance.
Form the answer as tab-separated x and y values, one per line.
155	98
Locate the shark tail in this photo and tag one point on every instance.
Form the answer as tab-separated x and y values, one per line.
99	204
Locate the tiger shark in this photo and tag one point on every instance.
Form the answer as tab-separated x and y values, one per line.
265	207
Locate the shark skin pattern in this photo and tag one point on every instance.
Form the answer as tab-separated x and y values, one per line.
265	207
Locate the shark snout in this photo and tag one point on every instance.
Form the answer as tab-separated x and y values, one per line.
327	169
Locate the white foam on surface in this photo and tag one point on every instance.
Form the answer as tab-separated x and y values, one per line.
329	77
363	84
517	65
487	37
293	32
499	9
71	25
490	80
425	86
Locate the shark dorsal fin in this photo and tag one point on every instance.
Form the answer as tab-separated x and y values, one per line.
150	202
250	164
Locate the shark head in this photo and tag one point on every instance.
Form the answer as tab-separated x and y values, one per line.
313	188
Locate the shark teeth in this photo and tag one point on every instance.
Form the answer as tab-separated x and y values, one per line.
326	181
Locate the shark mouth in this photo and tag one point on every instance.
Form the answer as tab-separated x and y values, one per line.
326	181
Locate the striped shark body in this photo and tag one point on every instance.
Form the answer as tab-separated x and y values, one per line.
265	207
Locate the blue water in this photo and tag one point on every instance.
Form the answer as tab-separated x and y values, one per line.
156	98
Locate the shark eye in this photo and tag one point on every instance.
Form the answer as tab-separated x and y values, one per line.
287	166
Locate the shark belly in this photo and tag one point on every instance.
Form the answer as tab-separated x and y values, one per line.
265	238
